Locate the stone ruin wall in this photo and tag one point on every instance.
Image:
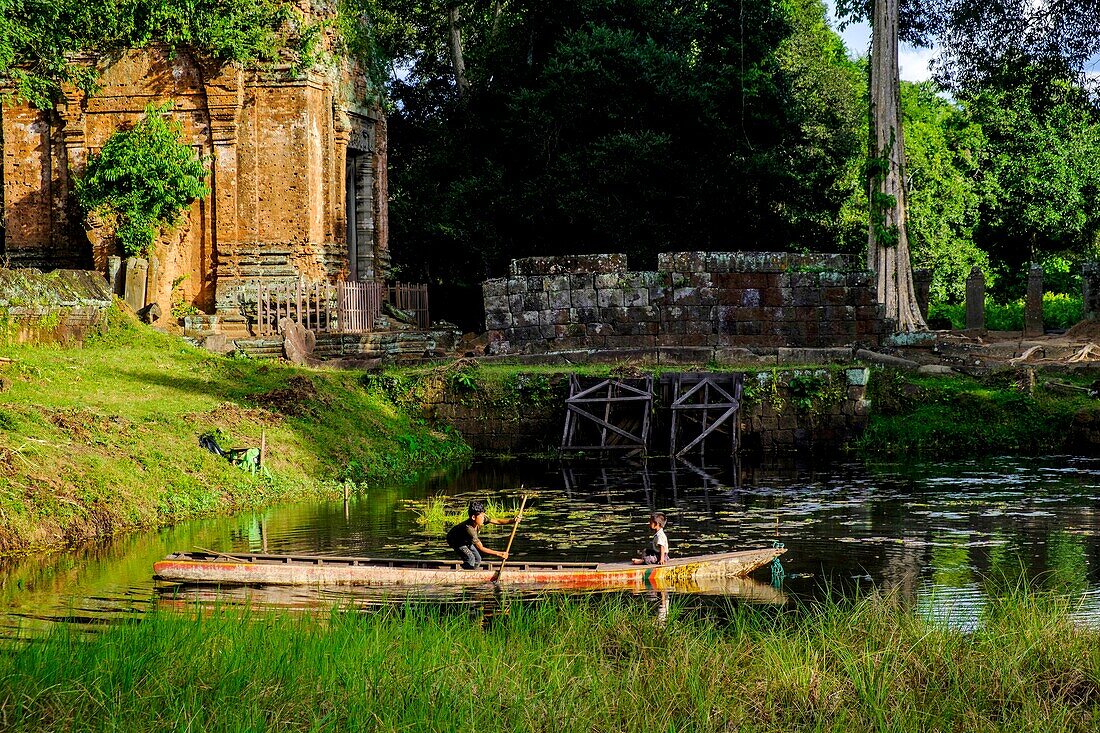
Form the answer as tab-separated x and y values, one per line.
693	299
282	147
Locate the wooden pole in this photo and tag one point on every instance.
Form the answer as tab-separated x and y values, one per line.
263	446
515	526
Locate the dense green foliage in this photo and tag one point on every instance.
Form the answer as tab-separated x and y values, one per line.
596	665
40	38
143	178
1040	171
942	144
625	125
621	125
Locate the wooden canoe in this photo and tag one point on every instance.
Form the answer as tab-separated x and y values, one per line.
684	573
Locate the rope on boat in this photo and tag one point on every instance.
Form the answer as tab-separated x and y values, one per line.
778	573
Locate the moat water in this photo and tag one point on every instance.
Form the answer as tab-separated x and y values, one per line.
945	537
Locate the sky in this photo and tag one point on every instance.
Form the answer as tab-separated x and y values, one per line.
913	62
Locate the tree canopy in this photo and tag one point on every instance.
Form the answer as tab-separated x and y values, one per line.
632	125
526	127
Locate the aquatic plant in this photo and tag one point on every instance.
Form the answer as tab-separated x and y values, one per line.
437	512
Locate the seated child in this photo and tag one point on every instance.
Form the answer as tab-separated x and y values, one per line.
656	553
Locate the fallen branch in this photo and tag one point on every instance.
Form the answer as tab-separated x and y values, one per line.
876	358
1027	354
1088	352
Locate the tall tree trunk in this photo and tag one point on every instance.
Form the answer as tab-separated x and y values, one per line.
498	9
456	50
887	240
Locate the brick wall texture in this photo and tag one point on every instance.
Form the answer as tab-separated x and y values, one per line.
695	299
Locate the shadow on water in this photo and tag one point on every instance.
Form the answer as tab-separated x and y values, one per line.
942	537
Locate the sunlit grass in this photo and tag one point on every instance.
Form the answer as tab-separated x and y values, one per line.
105	438
564	665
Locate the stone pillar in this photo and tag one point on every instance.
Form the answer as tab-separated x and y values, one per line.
922	283
224	99
115	275
341	134
364	219
1090	289
137	276
151	281
1033	306
381	199
975	299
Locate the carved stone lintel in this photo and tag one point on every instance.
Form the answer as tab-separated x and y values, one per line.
361	134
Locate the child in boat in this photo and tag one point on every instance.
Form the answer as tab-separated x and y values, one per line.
656	553
463	537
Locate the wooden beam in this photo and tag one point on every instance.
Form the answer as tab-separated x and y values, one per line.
605	424
707	431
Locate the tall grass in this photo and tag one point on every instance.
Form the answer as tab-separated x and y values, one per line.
563	666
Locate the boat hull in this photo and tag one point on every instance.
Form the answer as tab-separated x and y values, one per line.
687	574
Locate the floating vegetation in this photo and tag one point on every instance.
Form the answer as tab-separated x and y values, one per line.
437	512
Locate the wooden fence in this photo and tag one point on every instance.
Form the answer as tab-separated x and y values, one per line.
360	305
345	307
412	299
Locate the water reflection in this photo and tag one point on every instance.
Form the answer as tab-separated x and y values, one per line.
943	537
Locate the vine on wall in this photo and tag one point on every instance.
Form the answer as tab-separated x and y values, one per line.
42	43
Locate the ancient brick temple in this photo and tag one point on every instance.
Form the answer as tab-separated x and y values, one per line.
297	176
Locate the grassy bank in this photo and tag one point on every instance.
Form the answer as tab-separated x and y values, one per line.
105	438
563	666
999	414
1002	413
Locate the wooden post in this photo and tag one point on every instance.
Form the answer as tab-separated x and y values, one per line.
263	446
606	415
675	399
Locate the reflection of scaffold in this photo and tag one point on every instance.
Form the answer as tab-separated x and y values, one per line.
625	404
695	398
598	483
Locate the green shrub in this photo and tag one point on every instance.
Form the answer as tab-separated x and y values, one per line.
144	177
1059	311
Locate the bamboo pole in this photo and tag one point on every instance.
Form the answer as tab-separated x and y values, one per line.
508	549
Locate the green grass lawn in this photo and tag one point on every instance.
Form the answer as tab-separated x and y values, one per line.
105	438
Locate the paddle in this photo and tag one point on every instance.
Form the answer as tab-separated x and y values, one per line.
219	554
508	549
